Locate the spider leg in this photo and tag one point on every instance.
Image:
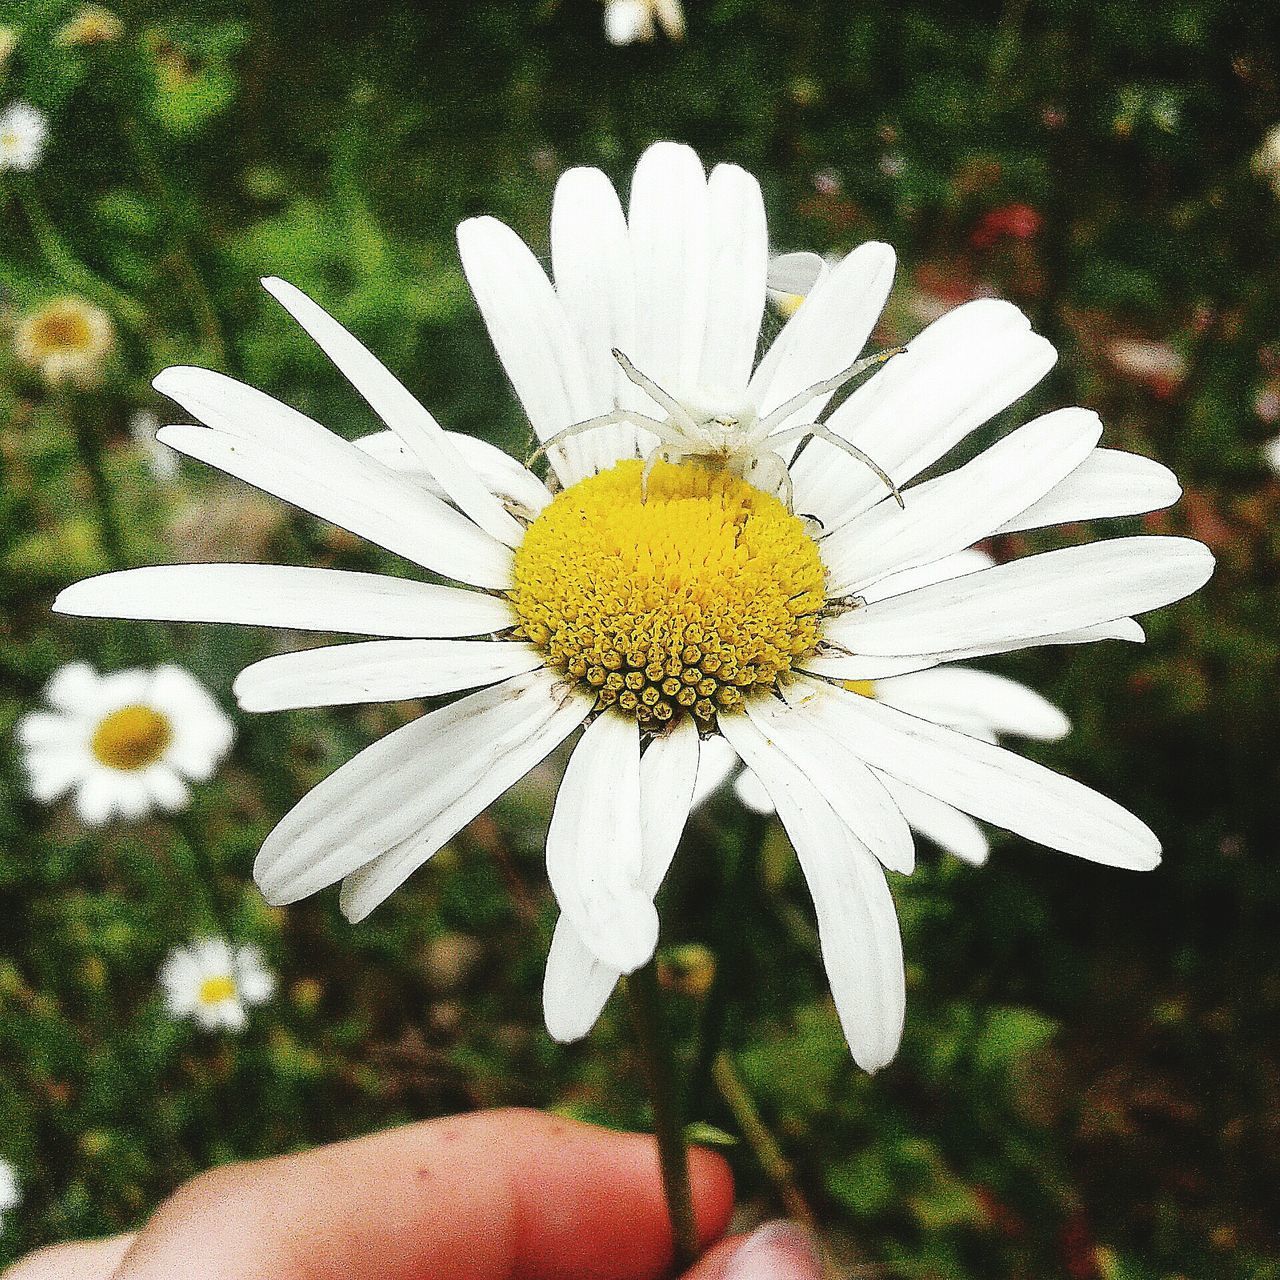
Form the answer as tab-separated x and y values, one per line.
663	452
825	387
821	431
614	418
655	393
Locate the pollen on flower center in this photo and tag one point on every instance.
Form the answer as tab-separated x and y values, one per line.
685	601
131	738
217	989
62	329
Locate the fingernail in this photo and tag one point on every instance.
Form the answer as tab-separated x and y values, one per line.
777	1251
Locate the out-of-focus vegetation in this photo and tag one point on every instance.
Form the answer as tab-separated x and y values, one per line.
1090	1083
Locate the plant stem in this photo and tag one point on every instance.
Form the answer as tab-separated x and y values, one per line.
658	1068
73	272
89	447
202	872
776	1167
181	257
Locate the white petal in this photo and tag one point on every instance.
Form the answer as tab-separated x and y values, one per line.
961	371
968	699
795	273
946	515
983	780
393	403
945	825
827	333
751	793
953	566
594	858
1035	596
49	729
739	262
532	336
378	671
413	790
71	687
498	470
716	762
878	667
857	923
167	790
843	781
577	984
52	773
359	496
268	595
95	798
1108	483
591	258
668	218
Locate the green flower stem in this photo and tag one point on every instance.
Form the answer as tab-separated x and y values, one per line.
89	448
775	1166
202	872
74	273
658	1067
185	270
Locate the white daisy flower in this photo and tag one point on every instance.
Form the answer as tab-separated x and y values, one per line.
123	744
10	1190
701	607
979	703
160	459
215	984
66	340
629	21
23	130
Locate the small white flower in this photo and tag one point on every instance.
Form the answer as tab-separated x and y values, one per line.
1266	160
66	340
215	984
23	129
122	744
629	21
10	1190
1271	452
700	609
162	460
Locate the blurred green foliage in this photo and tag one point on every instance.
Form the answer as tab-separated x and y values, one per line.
1090	1083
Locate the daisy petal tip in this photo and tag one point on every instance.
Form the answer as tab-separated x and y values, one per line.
631	938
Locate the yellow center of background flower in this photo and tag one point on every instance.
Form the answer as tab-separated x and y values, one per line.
61	328
216	990
131	738
686	601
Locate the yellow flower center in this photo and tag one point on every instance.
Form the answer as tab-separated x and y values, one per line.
217	989
62	328
131	738
702	592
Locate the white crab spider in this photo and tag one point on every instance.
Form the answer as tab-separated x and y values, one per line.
740	442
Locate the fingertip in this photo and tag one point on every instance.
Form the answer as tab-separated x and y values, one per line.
88	1260
711	1183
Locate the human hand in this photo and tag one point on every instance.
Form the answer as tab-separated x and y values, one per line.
497	1195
